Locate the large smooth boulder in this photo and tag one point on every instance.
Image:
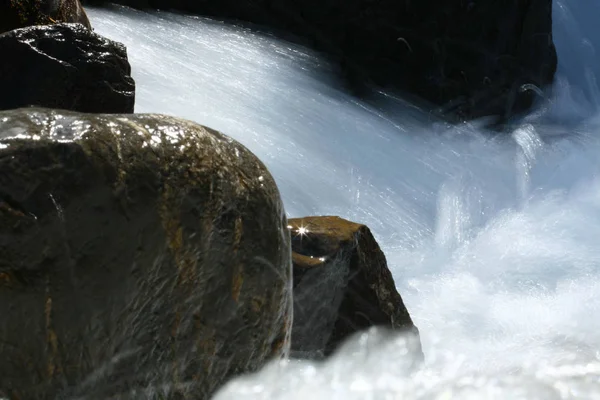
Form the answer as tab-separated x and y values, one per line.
16	14
469	58
141	256
342	286
64	66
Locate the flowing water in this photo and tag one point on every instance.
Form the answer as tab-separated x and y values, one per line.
493	241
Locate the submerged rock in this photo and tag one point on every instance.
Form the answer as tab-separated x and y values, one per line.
141	256
64	66
342	285
470	58
16	14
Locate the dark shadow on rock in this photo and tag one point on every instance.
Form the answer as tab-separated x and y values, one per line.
16	14
64	66
470	58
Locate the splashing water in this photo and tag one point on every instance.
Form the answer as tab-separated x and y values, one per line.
529	144
492	240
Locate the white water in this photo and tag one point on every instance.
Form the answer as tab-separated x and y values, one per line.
494	243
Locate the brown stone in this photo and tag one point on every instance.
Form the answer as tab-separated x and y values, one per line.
16	14
141	256
342	285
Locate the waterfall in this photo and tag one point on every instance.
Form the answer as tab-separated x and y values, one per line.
492	240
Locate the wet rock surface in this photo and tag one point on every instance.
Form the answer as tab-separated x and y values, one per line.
342	285
141	256
469	58
16	14
64	66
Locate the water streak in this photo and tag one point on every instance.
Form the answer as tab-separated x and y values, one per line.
496	256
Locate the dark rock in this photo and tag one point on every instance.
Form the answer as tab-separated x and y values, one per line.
342	285
471	58
16	14
141	256
64	66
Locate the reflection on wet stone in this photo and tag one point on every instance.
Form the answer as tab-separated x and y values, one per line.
139	254
342	286
75	69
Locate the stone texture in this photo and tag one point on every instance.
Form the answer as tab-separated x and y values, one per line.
16	14
342	285
64	66
141	256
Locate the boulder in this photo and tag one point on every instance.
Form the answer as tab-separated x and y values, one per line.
16	14
141	256
64	66
468	58
342	286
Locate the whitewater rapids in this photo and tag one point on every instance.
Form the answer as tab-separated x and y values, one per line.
493	241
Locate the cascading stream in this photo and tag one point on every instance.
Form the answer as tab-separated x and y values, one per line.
492	240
